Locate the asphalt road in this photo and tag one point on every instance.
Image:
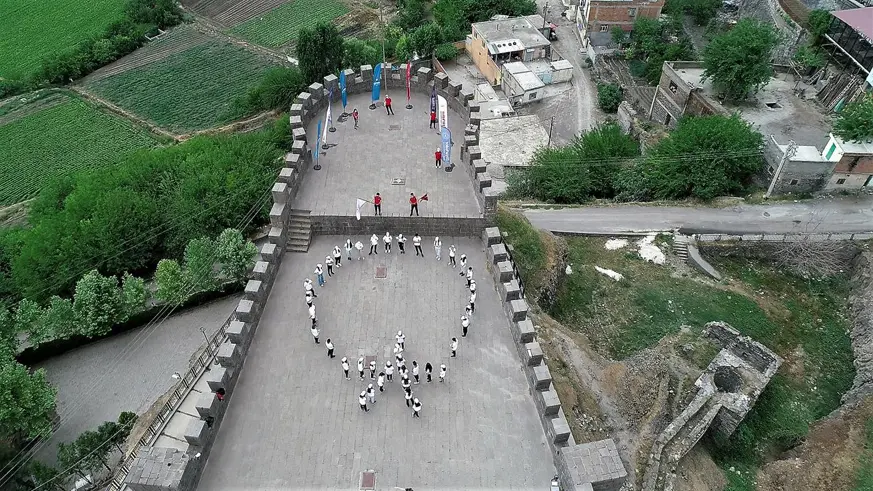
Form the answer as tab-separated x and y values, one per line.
843	215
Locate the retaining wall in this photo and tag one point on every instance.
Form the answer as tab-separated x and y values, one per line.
427	225
310	103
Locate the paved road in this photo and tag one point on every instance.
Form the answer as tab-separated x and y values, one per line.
294	421
844	215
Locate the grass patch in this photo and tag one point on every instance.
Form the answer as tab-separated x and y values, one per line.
280	25
188	91
529	251
33	29
60	140
864	480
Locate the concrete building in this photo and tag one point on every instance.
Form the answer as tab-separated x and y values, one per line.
851	34
804	171
496	42
520	84
853	169
596	18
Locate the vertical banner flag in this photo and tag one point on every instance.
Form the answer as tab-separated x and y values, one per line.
360	204
343	89
408	78
446	145
377	82
323	137
433	96
318	142
329	117
443	112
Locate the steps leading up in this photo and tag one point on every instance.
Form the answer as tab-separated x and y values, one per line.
299	231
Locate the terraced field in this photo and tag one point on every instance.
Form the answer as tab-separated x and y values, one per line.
63	135
187	91
279	26
32	29
231	12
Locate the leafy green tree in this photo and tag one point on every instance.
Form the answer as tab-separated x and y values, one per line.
412	15
170	279
200	258
449	14
235	254
809	57
738	61
97	303
319	51
608	97
446	51
278	88
618	35
69	458
27	401
28	315
133	295
58	321
704	157
358	52
653	42
855	121
8	335
818	23
44	476
161	13
425	39
126	420
403	50
92	449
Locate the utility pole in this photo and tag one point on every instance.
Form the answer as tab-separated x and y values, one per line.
545	9
384	76
789	152
551	125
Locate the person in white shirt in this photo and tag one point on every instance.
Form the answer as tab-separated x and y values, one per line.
465	323
415	371
454	347
468	311
397	350
338	256
314	333
362	400
401	240
345	363
361	367
472	285
371	394
408	397
309	296
387	239
469	276
360	248
452	255
416	408
437	248
404	382
373	369
374	242
472	302
329	346
312	316
328	261
400	340
349	247
307	286
463	264
380	381
389	371
416	242
319	273
442	373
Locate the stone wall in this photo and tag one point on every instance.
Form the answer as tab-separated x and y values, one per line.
460	99
423	225
862	327
577	465
170	469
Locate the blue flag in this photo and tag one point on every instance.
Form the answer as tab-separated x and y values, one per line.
343	88
433	100
446	145
377	82
318	141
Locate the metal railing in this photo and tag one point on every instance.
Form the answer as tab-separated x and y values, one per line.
182	388
790	237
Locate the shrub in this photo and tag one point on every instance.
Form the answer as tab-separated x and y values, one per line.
28	401
97	303
200	258
425	39
170	280
609	97
818	23
160	13
809	57
446	51
855	121
58	321
133	295
235	254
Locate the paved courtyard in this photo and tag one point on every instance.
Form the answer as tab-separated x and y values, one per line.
363	162
294	422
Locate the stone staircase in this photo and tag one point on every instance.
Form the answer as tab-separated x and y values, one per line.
299	231
680	246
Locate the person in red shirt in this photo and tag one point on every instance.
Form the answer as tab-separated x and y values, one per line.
413	204
438	156
355	115
377	204
388	105
433	119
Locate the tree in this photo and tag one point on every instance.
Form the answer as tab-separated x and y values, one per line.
161	13
27	401
855	121
235	254
403	50
97	303
319	51
27	316
200	258
69	459
704	157
278	88
608	97
425	39
654	42
133	295
170	279
818	23
413	14
446	51
8	335
92	449
358	52
58	321
618	35
738	61
44	476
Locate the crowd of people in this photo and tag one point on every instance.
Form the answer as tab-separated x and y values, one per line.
379	376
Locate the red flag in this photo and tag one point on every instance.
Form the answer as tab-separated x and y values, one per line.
408	78
423	197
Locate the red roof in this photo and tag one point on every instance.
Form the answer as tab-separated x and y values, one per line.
859	19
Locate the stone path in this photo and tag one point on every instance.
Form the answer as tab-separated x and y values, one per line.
362	162
294	422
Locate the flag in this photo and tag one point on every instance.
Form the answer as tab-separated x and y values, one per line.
329	123
408	78
318	142
446	145
443	113
358	205
343	89
433	99
329	117
423	197
377	82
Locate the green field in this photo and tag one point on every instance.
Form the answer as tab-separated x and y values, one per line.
59	140
32	29
188	91
280	25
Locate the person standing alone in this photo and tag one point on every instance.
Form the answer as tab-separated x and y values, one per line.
428	369
413	204
452	255
355	116
328	261
387	239
437	248
377	204
438	158
374	242
416	242
433	119
329	348
338	255
401	240
388	107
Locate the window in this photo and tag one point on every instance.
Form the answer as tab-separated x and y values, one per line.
673	87
604	28
632	12
532	96
841	181
794	182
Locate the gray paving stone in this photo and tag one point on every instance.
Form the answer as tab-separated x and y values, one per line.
294	422
362	162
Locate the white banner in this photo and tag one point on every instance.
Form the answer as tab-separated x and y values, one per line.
443	112
328	125
360	204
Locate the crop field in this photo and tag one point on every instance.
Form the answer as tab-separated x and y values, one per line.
58	139
187	91
33	29
279	26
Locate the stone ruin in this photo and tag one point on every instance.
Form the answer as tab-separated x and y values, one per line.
726	392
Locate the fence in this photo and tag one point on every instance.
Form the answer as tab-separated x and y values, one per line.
179	392
782	237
